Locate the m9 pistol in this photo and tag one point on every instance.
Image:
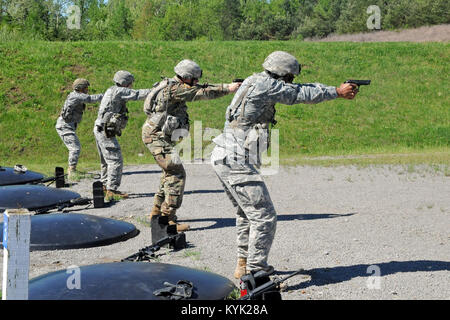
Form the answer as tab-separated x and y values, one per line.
359	82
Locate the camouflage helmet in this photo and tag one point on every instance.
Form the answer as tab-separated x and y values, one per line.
123	78
80	84
188	69
281	63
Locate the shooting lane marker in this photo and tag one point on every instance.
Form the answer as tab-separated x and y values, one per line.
16	254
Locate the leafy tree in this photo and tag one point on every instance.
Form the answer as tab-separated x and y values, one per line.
118	21
209	19
230	17
322	20
354	16
415	13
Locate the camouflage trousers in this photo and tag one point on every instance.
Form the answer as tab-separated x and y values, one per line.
111	160
256	216
173	179
66	132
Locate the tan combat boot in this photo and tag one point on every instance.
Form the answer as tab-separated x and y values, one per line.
156	211
71	172
181	227
241	268
115	195
170	212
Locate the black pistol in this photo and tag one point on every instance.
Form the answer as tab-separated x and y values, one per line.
238	80
359	82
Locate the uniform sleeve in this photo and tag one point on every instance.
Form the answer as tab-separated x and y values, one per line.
95	98
185	92
130	94
309	93
86	98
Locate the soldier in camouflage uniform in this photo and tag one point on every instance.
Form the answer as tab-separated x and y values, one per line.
236	157
168	120
112	119
70	117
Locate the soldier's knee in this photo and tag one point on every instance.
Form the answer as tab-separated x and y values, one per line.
254	195
174	200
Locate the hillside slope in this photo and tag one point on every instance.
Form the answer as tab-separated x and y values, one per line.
406	109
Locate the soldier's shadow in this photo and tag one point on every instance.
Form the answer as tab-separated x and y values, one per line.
128	173
141	195
231	222
189	192
326	276
204	191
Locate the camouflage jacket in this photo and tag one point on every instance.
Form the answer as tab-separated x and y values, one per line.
253	106
114	103
75	104
254	102
169	111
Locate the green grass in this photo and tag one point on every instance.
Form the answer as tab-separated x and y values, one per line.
234	295
405	110
194	255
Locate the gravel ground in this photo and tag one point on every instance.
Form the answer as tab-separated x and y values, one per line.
340	224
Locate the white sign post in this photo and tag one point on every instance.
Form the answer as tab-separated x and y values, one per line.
16	254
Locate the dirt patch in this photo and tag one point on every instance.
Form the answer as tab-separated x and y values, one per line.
77	69
16	95
438	33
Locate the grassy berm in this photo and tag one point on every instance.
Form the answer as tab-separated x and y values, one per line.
405	111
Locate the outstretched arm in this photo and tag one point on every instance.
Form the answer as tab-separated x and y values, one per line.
131	94
311	93
198	92
95	98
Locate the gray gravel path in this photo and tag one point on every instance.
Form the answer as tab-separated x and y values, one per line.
340	224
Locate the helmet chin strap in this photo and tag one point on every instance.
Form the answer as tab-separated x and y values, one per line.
189	81
288	78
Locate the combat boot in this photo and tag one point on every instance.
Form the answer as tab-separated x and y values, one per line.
170	212
156	211
72	172
241	268
115	195
181	227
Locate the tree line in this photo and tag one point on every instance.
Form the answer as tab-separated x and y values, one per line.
144	20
